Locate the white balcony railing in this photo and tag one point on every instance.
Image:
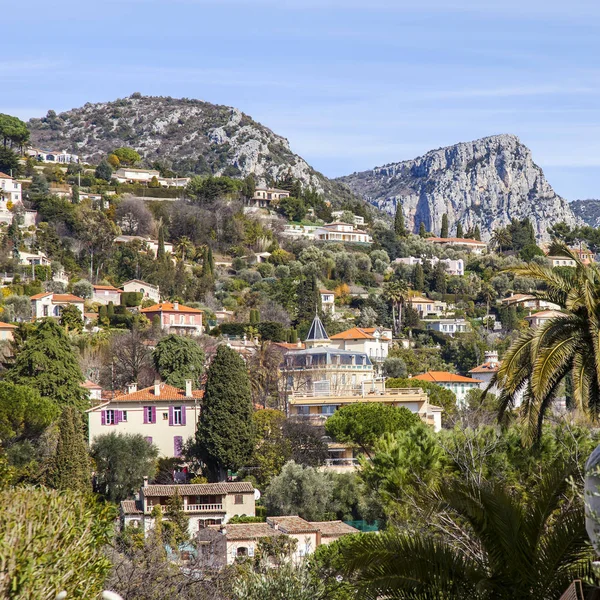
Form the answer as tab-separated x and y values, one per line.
341	462
202	507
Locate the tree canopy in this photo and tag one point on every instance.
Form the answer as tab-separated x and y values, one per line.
177	358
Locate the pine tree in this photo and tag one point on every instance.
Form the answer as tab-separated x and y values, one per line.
459	230
70	465
160	253
477	233
399	226
422	230
444	231
225	434
48	364
418	277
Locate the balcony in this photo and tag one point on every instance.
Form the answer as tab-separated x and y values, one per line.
203	508
359	392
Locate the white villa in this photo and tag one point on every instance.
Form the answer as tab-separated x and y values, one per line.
342	232
457	384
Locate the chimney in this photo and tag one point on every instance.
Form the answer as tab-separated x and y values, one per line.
132	388
188	388
146	481
276	526
299	344
175	305
157	388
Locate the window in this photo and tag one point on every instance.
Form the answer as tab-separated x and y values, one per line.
303	410
123	416
165	416
110	417
238	499
251	551
177	415
328	409
149	415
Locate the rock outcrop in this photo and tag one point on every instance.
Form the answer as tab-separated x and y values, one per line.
588	211
189	136
487	183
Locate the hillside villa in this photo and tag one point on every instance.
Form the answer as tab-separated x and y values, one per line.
447	326
165	415
104	294
151	244
372	341
204	504
148	291
176	318
48	304
453	267
457	384
542	317
263	197
342	232
426	307
327	301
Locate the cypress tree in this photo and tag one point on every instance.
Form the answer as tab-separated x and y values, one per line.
439	278
225	433
477	233
459	230
160	253
399	226
418	277
48	364
308	298
211	261
422	230
444	231
70	466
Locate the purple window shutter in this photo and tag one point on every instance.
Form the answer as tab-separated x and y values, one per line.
148	439
103	417
177	445
117	417
170	416
145	415
153	414
183	415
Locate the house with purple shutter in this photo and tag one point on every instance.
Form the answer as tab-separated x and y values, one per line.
165	415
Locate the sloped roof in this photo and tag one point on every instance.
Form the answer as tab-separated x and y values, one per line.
355	333
292	524
90	385
199	489
546	314
111	288
140	281
7	325
4	176
317	330
130	507
58	297
486	367
247	531
333	528
444	377
167	392
170	307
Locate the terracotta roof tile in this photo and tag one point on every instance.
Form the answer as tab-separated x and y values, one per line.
169	307
247	531
167	392
58	297
111	288
333	528
130	507
199	489
356	333
546	314
4	176
486	367
293	524
444	377
7	325
90	385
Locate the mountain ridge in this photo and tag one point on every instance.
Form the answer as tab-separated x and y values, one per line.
485	182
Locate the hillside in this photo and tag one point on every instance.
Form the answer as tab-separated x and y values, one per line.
486	182
588	211
189	136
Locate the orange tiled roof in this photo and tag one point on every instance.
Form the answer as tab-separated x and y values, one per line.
169	307
90	385
292	524
4	176
289	346
546	314
58	297
7	325
444	377
111	288
167	392
486	367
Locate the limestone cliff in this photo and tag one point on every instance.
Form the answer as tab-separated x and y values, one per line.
487	182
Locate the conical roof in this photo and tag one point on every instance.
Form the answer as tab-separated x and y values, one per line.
317	331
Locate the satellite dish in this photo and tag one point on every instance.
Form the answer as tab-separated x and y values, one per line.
256	494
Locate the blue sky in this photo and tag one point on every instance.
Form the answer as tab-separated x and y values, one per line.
351	83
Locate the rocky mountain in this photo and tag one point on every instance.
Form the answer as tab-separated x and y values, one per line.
189	136
588	211
487	182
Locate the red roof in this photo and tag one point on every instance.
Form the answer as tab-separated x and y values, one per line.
4	176
7	325
111	288
486	367
170	307
167	392
58	297
357	333
90	385
444	377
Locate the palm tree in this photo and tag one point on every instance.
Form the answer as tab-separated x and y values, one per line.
184	247
540	359
395	292
502	548
501	238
